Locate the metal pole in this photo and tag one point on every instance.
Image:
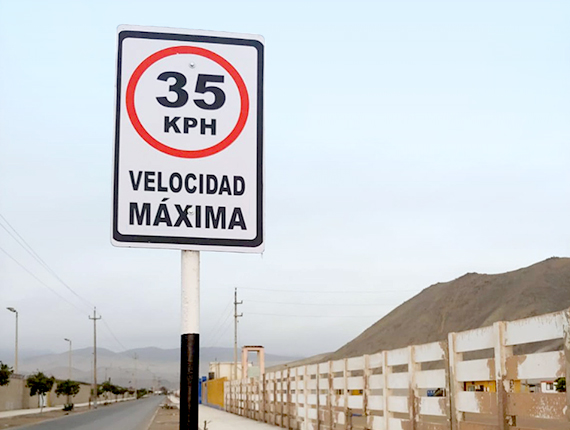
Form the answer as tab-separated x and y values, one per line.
95	394
136	385
190	340
69	371
16	348
236	316
16	358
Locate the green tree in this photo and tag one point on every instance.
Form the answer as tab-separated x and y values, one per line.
67	388
118	391
560	385
5	373
107	387
40	384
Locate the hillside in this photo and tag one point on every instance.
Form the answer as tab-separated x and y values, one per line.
471	301
154	366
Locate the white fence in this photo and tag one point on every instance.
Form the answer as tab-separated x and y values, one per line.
478	380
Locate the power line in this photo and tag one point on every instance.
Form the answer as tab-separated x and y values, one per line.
328	291
313	316
217	324
319	304
113	334
40	281
221	336
26	246
217	334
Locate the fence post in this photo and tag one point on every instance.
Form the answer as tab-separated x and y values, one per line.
345	377
247	398
289	398
306	398
281	391
501	354
455	387
413	398
263	400
254	401
385	390
449	411
242	397
331	397
296	397
366	392
567	357
318	397
274	385
234	397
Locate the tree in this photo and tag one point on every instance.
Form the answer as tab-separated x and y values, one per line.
107	387
561	385
118	391
67	388
40	384
5	373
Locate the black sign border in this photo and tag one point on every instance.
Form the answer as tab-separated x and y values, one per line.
175	240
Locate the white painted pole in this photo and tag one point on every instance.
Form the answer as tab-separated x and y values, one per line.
190	340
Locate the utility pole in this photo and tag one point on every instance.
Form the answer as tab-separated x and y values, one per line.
69	371
236	316
95	356
136	389
16	349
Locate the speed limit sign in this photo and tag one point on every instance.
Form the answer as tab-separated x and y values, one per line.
188	170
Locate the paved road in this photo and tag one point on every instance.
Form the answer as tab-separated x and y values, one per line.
133	415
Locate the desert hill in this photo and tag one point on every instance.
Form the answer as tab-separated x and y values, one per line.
471	301
154	366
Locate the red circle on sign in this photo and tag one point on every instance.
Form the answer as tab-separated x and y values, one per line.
133	116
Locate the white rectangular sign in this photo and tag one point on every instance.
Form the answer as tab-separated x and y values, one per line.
188	170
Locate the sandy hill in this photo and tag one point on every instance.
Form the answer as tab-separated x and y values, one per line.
471	301
153	364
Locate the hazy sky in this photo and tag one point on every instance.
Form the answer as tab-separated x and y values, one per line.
407	143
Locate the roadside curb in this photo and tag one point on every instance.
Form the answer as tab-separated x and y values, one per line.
154	415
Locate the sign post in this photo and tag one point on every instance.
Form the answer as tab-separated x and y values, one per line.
190	340
188	158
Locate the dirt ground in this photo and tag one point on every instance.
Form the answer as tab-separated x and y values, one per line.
23	420
166	419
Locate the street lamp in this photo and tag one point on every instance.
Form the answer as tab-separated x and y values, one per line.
69	340
16	353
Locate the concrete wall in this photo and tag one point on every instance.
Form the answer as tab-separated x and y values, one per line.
17	396
213	392
225	369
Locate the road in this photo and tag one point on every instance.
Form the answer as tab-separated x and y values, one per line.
132	415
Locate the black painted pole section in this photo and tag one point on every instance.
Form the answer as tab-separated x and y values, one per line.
190	341
189	379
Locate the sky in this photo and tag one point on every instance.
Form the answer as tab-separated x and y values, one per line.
406	143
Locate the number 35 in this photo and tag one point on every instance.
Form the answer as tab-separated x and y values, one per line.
201	87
